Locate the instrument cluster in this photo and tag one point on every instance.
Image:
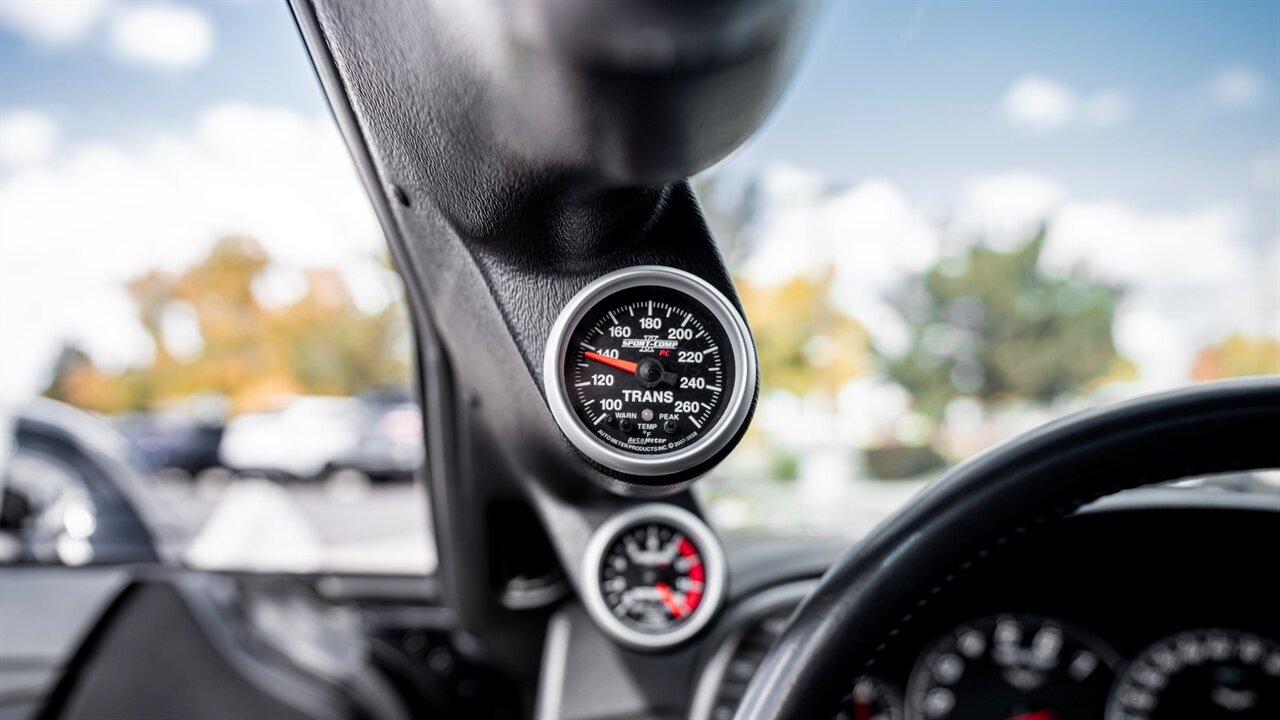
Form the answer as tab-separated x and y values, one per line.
1031	667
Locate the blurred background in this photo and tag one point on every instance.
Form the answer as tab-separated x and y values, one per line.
964	220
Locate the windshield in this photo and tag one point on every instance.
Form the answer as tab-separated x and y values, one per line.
965	219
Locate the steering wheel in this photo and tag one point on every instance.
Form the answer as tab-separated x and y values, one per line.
871	593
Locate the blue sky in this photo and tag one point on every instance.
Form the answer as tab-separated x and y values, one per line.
1148	133
256	57
912	91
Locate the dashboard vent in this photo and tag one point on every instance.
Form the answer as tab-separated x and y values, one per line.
743	658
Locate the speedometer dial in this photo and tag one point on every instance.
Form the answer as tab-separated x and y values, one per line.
650	371
1023	667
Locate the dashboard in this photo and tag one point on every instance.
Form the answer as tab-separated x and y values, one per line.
1146	605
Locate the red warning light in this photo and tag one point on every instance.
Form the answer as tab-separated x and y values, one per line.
664	353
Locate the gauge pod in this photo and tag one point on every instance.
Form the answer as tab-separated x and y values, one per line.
650	371
653	576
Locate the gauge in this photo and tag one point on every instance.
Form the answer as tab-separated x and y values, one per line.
1022	667
872	699
654	575
650	371
1202	674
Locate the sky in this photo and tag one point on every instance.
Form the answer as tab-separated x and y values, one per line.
1148	133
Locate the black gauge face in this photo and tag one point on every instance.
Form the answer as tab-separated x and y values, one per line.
648	370
1012	666
1204	674
652	577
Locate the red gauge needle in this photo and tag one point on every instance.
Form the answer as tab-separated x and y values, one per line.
669	599
624	365
1037	715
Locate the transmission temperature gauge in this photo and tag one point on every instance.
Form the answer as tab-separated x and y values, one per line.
650	371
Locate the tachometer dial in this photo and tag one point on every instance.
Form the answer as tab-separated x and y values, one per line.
1203	674
1019	667
650	371
655	575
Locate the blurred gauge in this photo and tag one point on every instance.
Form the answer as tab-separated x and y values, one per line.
1012	667
872	699
1202	674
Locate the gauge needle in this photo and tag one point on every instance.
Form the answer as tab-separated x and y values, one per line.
624	365
669	599
1037	715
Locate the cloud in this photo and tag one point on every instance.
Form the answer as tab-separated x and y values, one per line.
51	22
159	35
26	136
1040	104
164	36
1005	208
870	233
74	229
1236	87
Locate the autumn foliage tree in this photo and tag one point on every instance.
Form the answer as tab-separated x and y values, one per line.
237	346
805	342
1237	356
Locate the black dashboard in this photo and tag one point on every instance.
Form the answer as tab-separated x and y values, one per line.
1130	608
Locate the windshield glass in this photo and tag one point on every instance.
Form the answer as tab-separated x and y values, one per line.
187	254
966	219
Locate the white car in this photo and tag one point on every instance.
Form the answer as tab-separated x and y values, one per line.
301	440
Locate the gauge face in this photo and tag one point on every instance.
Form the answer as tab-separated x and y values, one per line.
650	371
1012	666
647	370
655	575
1203	674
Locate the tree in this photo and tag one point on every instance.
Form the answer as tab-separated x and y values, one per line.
804	342
996	326
1237	356
320	343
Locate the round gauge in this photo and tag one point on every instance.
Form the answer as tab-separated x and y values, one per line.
653	576
1022	667
872	699
650	371
1203	674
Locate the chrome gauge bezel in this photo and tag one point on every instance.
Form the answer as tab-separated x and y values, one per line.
709	548
737	405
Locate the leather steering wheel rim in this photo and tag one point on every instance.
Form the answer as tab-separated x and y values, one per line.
1033	479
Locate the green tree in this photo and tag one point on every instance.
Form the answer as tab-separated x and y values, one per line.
997	326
